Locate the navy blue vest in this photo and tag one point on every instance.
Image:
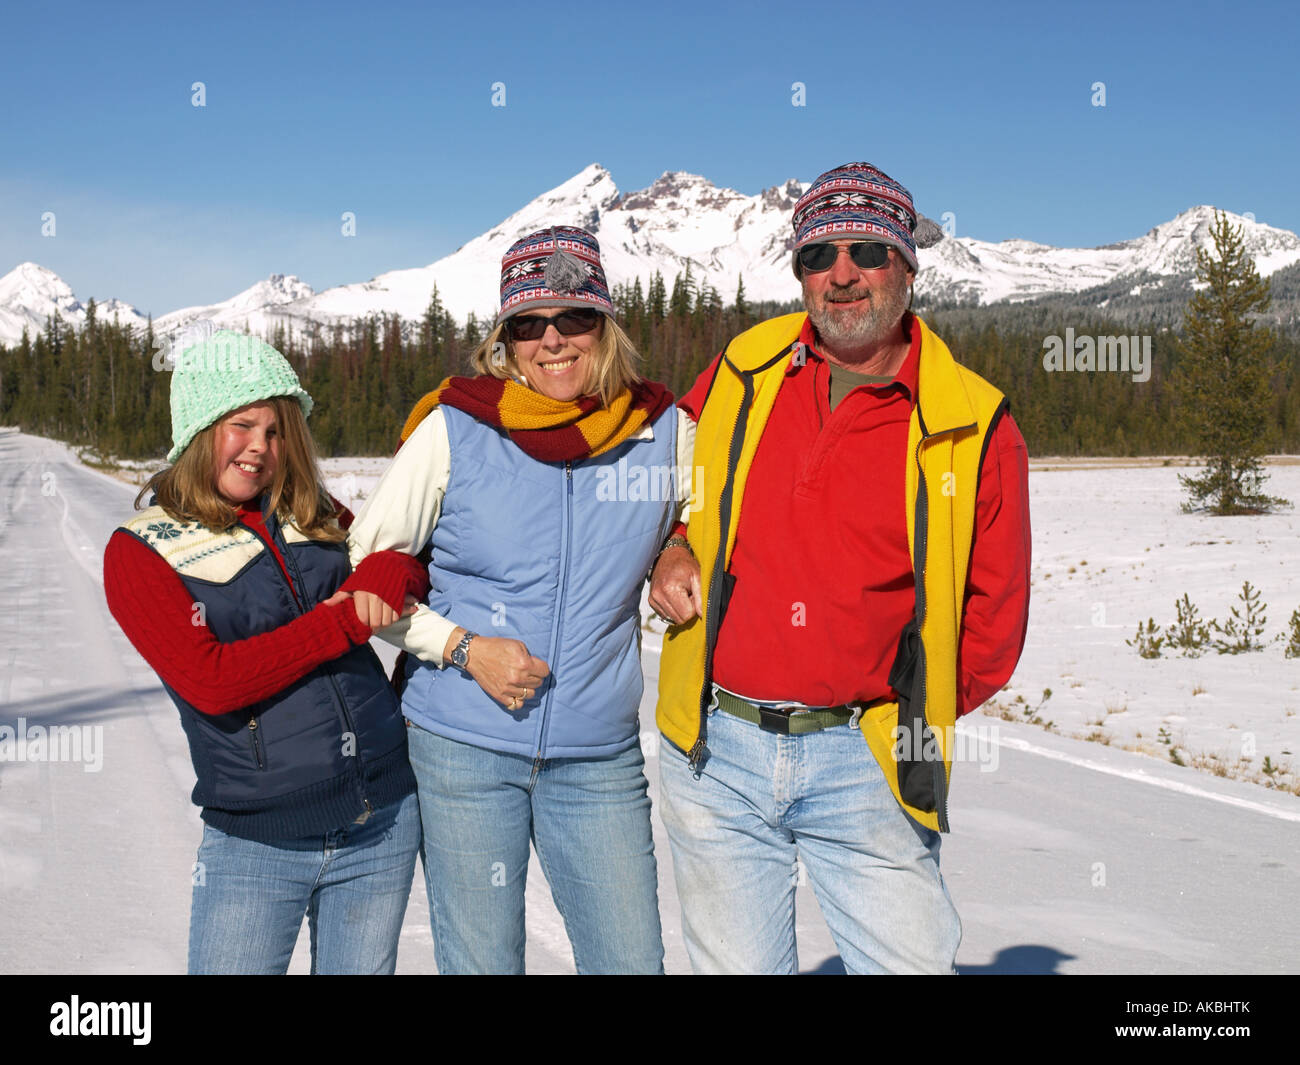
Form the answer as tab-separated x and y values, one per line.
314	756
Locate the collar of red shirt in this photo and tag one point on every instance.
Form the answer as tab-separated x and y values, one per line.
907	373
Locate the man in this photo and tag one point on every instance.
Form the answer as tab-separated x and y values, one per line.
858	568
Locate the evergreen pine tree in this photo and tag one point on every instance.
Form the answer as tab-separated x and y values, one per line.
1223	378
657	299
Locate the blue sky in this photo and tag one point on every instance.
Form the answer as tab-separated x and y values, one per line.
385	110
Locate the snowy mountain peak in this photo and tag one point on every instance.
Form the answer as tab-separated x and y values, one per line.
30	294
1170	248
967	269
679	190
783	197
251	310
680	221
30	283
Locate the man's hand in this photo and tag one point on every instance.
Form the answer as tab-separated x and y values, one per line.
503	668
675	586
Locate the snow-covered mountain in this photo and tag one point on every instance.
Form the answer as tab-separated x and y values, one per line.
255	310
1015	270
30	294
680	219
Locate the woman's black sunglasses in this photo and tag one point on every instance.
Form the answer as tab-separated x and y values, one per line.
569	323
866	255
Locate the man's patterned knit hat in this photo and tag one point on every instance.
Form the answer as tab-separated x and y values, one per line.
857	200
226	371
555	267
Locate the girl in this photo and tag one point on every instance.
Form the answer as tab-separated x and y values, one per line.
235	586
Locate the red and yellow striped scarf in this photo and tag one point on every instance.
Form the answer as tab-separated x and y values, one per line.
549	430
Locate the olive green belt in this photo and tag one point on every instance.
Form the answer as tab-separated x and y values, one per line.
787	721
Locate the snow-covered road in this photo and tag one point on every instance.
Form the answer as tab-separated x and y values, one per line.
1065	856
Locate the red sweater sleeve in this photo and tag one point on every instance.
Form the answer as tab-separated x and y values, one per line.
150	603
693	401
996	612
391	575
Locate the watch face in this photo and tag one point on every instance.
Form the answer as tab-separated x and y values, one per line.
460	653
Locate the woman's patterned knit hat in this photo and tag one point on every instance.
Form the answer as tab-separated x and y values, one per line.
555	267
858	200
222	373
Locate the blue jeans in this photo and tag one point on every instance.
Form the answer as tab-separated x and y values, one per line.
589	820
353	885
764	802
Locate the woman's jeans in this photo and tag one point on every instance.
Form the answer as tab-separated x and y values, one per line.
589	820
353	884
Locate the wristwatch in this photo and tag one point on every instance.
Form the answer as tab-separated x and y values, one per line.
460	653
676	541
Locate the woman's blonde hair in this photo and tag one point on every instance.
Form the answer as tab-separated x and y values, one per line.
187	490
614	362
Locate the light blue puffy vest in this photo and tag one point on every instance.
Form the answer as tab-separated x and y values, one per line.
555	555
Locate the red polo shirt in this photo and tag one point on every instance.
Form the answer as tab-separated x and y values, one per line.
823	576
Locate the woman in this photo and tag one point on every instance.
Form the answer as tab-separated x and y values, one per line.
235	587
544	487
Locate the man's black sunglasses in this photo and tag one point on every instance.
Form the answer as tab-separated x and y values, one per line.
568	323
866	255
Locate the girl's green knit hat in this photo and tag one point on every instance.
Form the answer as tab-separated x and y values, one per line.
222	373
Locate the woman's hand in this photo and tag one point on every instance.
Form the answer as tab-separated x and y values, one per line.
503	668
675	586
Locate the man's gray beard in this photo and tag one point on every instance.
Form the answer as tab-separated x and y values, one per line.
851	331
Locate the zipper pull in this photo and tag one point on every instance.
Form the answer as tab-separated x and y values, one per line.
696	757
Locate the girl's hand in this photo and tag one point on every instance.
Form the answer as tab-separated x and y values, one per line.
375	613
338	597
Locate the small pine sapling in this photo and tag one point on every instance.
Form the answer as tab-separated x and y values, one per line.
1148	640
1293	639
1244	629
1188	633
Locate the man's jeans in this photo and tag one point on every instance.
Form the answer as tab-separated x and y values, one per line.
588	818
762	801
353	884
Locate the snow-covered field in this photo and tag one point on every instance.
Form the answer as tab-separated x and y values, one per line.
1111	549
1066	855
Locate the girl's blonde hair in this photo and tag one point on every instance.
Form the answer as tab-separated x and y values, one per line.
187	490
614	363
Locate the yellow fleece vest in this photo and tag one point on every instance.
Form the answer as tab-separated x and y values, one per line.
954	411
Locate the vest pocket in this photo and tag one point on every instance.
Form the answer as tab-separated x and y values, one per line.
256	737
